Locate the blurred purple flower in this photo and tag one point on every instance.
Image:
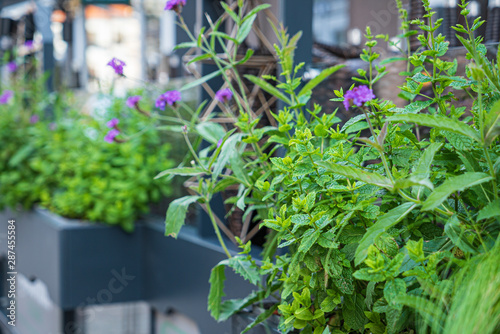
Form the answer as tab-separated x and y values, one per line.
112	123
358	96
6	96
34	119
29	44
117	65
224	95
219	143
169	98
175	5
11	66
133	101
110	136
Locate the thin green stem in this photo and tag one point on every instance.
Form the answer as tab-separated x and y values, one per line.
217	230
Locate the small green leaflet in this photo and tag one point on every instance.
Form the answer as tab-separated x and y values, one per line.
384	222
176	214
451	185
268	88
201	80
318	79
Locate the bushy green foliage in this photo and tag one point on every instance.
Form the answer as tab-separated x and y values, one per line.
378	229
63	163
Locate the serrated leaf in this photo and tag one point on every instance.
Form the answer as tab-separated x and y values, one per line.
412	108
319	78
451	185
183	171
266	86
383	223
245	268
176	214
490	210
438	122
357	174
392	289
217	278
492	124
353	120
307	242
353	312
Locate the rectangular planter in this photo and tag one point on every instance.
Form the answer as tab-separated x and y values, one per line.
80	262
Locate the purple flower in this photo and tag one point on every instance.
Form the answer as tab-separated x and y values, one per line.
133	101
34	119
169	98
117	65
110	136
224	95
29	44
219	143
112	123
11	66
175	4
358	96
6	96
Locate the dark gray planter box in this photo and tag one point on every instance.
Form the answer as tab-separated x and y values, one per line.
85	264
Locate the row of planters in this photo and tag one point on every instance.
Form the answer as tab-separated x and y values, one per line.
390	223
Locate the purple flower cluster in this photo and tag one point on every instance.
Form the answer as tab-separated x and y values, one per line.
358	96
6	96
110	136
34	119
175	5
169	97
133	101
117	65
224	95
11	66
113	125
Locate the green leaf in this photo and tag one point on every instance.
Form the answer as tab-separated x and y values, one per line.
392	60
451	185
217	278
353	312
490	210
231	12
266	86
424	165
245	268
225	36
201	80
245	28
227	150
438	122
456	234
183	171
413	181
307	242
261	317
198	58
21	155
185	45
492	124
256	10
383	223
413	107
318	79
392	289
210	131
357	174
176	214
